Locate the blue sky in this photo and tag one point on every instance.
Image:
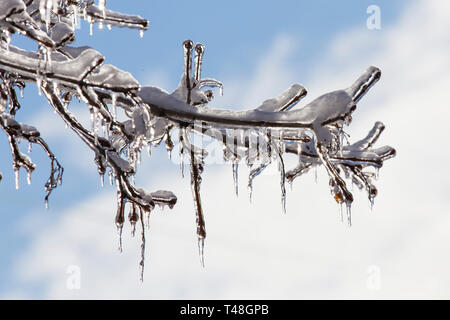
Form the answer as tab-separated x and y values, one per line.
257	48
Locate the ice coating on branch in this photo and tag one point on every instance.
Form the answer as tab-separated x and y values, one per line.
235	167
10	7
62	34
116	160
18	131
258	137
362	85
73	70
164	197
109	77
14	17
284	101
73	52
116	18
324	118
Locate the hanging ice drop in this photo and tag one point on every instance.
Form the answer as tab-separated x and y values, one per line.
201	250
119	235
349	214
16	174
235	168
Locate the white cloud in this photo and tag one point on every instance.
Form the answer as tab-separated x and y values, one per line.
254	251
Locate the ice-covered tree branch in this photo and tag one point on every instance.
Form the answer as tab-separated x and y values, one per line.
258	137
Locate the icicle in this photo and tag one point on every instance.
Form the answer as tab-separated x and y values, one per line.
29	177
268	137
16	173
29	147
119	234
21	92
141	33
8	38
84	12
371	203
110	177
147	220
349	214
91	27
235	167
121	202
38	84
196	180
102	179
141	263
341	211
254	173
75	17
96	133
45	8
113	102
133	228
282	182
102	6
250	188
56	88
93	112
104	126
201	250
133	218
169	145
182	163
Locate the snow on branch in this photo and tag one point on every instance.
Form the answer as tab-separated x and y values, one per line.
258	137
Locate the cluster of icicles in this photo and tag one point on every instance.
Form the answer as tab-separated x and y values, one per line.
151	115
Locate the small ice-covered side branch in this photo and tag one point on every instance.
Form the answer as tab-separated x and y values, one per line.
16	131
189	91
107	155
149	115
104	16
